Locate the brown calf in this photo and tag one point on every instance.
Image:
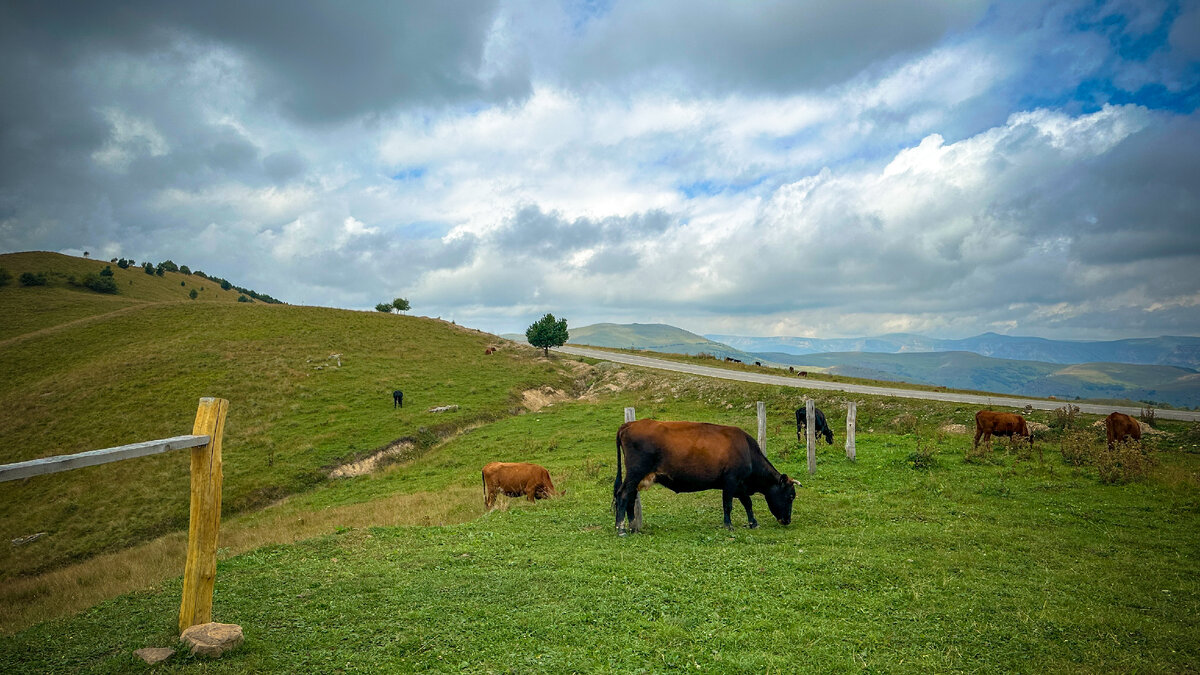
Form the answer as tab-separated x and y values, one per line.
988	422
1121	426
515	479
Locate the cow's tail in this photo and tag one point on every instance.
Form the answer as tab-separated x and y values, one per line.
483	475
617	482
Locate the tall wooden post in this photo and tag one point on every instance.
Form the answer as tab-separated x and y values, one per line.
851	416
762	427
637	495
200	572
811	416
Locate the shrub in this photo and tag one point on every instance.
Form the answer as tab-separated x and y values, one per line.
1065	417
242	298
5	276
225	285
384	307
183	283
922	458
184	269
905	424
106	272
1148	415
148	269
169	266
193	294
31	279
123	263
100	284
1126	462
159	270
1076	447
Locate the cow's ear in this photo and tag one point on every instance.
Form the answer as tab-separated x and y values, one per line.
783	479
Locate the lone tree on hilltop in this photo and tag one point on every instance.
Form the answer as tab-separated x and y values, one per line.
401	305
547	332
384	307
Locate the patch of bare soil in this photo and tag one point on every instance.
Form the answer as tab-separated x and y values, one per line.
955	429
368	464
536	399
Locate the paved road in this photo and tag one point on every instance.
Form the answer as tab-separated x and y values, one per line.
764	378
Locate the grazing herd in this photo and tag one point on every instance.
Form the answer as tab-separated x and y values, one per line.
697	456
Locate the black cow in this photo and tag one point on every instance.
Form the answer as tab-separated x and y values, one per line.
695	456
397	399
822	428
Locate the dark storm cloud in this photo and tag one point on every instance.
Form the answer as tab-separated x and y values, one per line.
777	46
531	231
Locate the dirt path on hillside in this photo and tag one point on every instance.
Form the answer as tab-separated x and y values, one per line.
50	330
977	399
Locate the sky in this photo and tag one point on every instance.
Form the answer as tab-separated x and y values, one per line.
828	168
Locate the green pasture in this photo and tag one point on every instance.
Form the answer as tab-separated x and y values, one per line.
999	566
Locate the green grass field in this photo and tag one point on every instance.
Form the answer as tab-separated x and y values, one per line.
997	567
999	564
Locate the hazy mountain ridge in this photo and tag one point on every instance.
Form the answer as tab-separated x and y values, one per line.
902	357
1178	351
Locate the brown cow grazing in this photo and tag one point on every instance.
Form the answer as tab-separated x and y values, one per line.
1121	426
695	456
515	479
489	351
988	422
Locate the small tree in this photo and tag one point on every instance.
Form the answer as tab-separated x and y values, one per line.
107	271
547	332
31	279
384	307
5	276
242	298
100	284
148	269
193	294
169	265
401	305
123	263
225	285
184	269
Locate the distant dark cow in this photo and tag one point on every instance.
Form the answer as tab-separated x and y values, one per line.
1121	426
397	399
803	373
791	369
758	363
821	429
515	479
695	456
988	422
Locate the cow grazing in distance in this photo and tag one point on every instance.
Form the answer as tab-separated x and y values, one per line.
988	422
695	456
489	351
516	479
397	399
821	428
803	373
1120	426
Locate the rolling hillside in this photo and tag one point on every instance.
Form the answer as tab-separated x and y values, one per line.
85	370
965	370
1172	351
655	337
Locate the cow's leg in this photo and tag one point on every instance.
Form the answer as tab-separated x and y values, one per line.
490	499
727	505
978	433
637	511
749	510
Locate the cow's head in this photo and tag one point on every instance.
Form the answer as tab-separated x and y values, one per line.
780	496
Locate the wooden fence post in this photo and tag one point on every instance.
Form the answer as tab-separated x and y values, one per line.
851	416
200	572
811	425
637	495
762	427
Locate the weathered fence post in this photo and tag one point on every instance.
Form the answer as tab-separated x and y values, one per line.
811	425
851	416
200	572
762	427
637	495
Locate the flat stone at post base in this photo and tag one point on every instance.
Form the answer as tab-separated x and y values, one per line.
153	655
212	639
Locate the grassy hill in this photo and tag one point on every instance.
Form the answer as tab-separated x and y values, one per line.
655	337
86	371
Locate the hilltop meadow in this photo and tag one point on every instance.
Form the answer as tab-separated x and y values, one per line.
922	555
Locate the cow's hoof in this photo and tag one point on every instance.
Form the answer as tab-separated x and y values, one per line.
621	533
754	526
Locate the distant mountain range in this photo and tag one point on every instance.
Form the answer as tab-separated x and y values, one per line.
1154	369
1162	351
